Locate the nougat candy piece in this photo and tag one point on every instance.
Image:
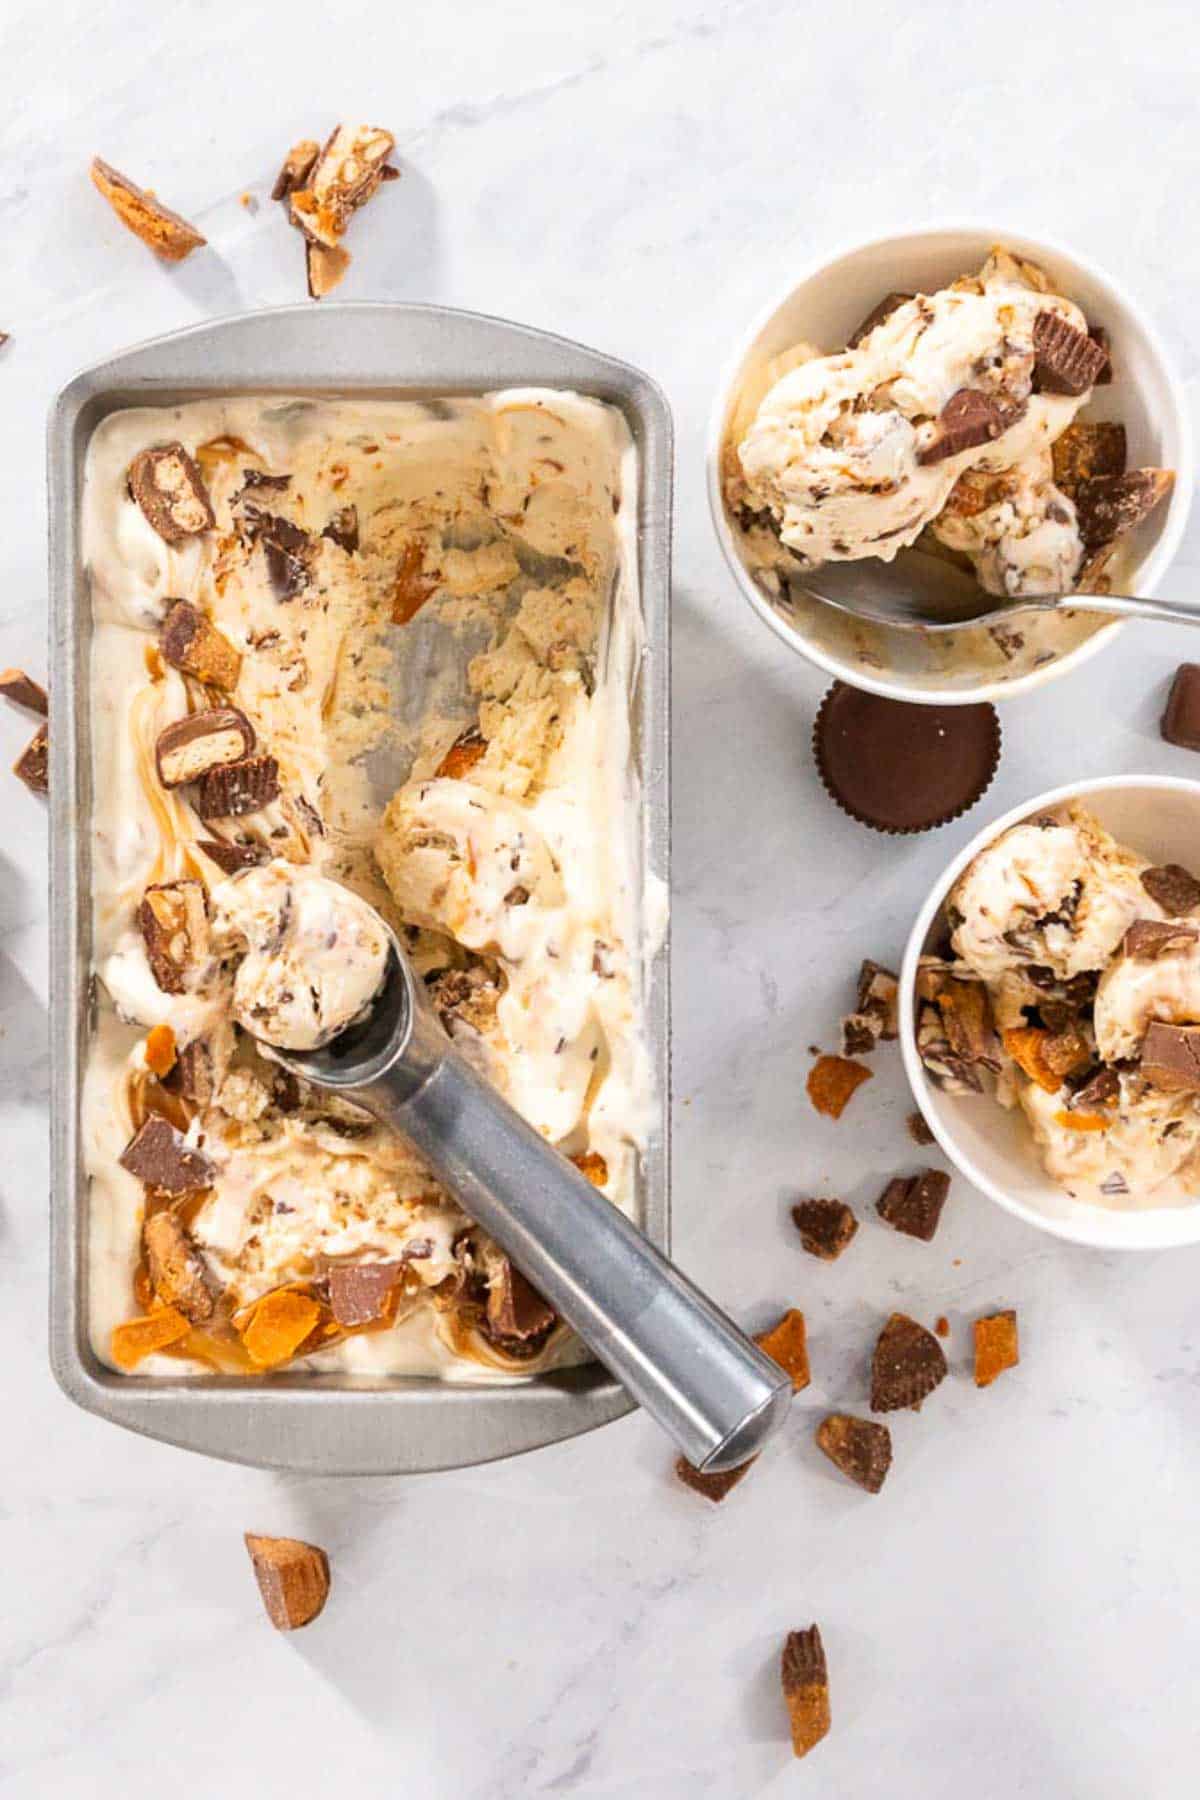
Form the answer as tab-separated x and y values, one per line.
192	644
343	178
173	918
293	1579
167	485
188	748
178	1272
167	233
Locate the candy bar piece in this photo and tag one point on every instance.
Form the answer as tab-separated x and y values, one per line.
907	1365
832	1081
462	755
360	1293
194	1075
593	1165
714	1487
968	419
193	645
1047	1057
1109	507
1181	719
178	1273
412	587
167	234
264	480
467	995
297	166
344	177
278	1326
1097	1093
134	1339
996	1347
238	788
1148	939
805	1681
342	529
161	1157
787	1344
1172	887
1066	361
233	858
23	690
325	266
168	487
879	998
913	1204
825	1227
173	920
1088	448
288	549
878	313
1171	1057
33	765
293	1579
967	1020
188	748
918	1129
860	1448
516	1311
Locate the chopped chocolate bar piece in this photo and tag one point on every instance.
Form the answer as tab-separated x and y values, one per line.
23	690
167	485
515	1309
238	788
1088	448
908	1364
359	1293
1181	719
860	1448
805	1688
173	919
714	1487
832	1081
878	313
178	1273
1173	888
293	1579
233	858
825	1227
344	177
1066	361
918	1129
879	998
996	1347
342	529
189	747
1171	1057
1099	336
167	234
968	419
263	479
1111	506
297	166
913	1204
325	267
33	764
859	1035
787	1344
1148	939
162	1158
953	1074
288	549
194	1074
191	644
1099	1092
462	755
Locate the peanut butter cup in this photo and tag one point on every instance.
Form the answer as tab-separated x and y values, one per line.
900	767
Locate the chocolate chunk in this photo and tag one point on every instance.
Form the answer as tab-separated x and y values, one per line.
913	1204
258	480
900	767
1171	1057
293	1579
1097	1093
173	920
233	858
344	177
1148	939
297	166
1111	506
879	998
516	1312
1173	888
858	1035
192	644
178	1273
825	1227
996	1346
167	233
968	419
1066	361
342	529
805	1681
1099	337
188	748
878	313
289	553
1181	719
918	1129
860	1448
166	484
907	1365
325	267
161	1157
238	788
359	1293
715	1486
194	1074
23	690
1088	448
33	765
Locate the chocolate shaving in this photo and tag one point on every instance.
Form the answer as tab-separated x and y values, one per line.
968	419
1066	361
22	690
907	1366
913	1204
1173	888
359	1293
825	1227
178	1273
33	765
166	483
193	645
238	788
860	1448
161	1157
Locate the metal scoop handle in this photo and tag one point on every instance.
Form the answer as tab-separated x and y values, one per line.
710	1388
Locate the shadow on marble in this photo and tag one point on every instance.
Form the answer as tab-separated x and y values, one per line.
755	1670
397	247
210	283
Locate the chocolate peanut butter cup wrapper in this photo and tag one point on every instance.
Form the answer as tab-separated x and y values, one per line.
899	767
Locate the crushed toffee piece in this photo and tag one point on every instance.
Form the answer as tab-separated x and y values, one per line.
831	1083
167	233
996	1346
787	1344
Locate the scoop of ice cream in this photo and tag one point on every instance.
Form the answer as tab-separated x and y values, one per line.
1149	1145
1018	528
315	954
1134	990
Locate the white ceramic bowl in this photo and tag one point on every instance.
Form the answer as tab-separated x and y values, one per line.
823	306
1158	816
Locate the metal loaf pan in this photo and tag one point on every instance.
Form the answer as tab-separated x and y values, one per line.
324	1424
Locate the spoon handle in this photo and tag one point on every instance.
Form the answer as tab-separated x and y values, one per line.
1129	606
712	1390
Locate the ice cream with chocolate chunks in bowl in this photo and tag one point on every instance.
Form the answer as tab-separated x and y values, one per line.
1071	991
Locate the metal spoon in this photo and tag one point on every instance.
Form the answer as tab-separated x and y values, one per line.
921	592
716	1394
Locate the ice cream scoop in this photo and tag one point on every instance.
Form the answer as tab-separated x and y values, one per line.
716	1394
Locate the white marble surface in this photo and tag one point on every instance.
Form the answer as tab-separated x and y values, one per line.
1016	1614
